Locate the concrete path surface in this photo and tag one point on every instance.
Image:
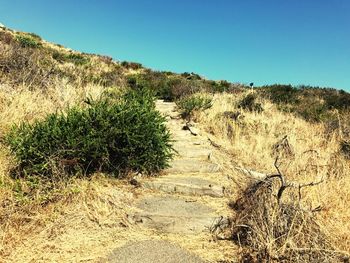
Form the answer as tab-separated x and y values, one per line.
187	200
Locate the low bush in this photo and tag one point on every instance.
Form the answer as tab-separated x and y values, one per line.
345	148
190	104
281	93
222	86
249	103
131	65
272	230
338	100
74	58
77	59
114	136
26	66
35	36
158	82
28	42
313	112
6	37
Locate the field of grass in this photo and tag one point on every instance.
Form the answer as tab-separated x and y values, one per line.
306	129
312	154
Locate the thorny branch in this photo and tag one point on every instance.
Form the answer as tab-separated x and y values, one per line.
285	184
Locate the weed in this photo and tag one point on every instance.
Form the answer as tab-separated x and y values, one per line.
190	104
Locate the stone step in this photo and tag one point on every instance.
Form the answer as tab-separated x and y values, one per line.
195	153
152	251
174	215
187	140
188	144
187	185
192	166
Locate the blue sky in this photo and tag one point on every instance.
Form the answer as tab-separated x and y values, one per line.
260	41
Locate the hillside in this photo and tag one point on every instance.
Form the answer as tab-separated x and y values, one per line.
272	163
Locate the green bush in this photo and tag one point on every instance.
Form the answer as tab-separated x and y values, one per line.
190	104
27	41
35	36
115	136
313	112
74	58
278	93
338	100
249	103
77	59
159	82
221	86
131	65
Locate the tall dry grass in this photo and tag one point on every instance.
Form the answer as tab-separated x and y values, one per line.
23	201
250	141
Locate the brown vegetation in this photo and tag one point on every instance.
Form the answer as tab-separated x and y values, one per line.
311	224
265	228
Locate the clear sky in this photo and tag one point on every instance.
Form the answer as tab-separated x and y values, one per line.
260	41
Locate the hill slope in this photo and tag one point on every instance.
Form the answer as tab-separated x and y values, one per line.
300	135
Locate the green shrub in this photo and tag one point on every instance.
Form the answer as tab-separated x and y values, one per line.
249	103
60	57
159	82
190	104
131	65
27	41
74	58
77	59
282	93
115	136
313	112
35	36
191	76
338	100
222	86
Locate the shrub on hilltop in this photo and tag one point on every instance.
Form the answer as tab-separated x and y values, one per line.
28	41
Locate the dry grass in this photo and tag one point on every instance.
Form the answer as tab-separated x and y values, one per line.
29	206
281	231
36	215
250	142
65	224
81	223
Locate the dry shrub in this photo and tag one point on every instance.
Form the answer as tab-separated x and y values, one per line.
252	142
27	66
6	37
273	231
345	148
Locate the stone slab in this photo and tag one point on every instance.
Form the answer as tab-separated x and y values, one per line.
191	185
192	166
152	251
174	215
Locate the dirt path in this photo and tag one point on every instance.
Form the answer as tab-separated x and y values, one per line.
170	218
188	201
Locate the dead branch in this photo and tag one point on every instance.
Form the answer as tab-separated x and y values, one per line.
285	184
214	144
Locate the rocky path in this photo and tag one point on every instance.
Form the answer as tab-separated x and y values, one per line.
186	204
